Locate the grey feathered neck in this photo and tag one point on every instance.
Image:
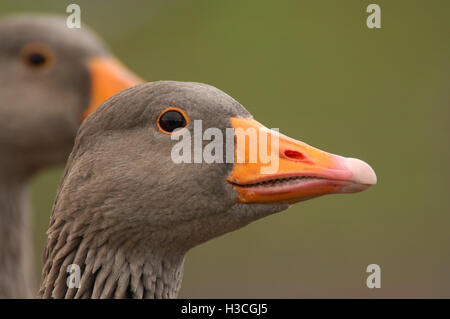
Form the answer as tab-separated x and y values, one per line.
111	266
16	262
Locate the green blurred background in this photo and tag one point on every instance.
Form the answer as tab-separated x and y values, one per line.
314	70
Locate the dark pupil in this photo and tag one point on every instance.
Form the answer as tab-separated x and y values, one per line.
172	120
36	59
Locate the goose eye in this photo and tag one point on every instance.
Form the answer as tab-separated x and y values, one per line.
36	59
37	55
172	119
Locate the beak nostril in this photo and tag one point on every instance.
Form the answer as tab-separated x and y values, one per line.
295	155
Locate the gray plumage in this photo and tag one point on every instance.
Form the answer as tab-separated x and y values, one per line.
40	112
124	212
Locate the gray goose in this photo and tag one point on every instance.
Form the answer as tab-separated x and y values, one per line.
126	213
51	78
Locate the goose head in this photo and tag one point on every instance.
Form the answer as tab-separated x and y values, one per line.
128	210
52	77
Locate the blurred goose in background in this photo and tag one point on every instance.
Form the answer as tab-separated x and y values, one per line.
126	214
52	77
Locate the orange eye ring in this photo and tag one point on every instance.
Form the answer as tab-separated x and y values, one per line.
182	119
37	56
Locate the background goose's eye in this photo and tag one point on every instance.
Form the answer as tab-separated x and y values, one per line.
172	119
37	55
36	59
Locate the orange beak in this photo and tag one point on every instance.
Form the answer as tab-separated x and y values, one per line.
272	168
108	77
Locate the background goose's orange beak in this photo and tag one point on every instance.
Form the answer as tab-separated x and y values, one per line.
108	77
298	171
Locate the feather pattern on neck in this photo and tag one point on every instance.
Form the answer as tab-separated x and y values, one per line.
112	266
